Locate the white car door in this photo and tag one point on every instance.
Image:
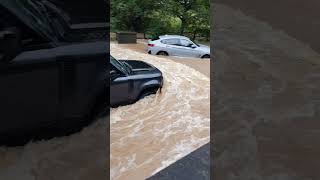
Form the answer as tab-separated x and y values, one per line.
188	49
181	47
172	46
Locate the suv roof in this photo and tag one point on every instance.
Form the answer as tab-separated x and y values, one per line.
173	36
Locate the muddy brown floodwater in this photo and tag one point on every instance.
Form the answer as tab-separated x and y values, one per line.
267	111
158	130
80	156
201	65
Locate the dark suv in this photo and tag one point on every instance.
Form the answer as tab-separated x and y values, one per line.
53	73
132	80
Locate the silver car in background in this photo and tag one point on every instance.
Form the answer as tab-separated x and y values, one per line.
174	45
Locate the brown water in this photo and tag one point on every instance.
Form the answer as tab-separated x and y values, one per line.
165	131
77	157
201	65
267	113
262	72
158	130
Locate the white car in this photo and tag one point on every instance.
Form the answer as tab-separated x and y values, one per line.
174	45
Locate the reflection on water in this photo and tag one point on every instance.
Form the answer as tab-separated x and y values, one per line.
160	129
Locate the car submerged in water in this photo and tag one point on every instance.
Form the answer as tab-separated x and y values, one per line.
174	45
131	80
53	72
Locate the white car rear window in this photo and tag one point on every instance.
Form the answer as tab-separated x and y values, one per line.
171	42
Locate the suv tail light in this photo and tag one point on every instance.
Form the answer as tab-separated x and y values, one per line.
151	45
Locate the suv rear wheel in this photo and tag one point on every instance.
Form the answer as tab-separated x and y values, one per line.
162	53
205	56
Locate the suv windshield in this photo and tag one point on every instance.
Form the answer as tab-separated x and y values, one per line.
122	66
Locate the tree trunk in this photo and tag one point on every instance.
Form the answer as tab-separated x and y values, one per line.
183	24
194	35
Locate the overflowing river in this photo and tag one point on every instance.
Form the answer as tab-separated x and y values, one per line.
158	130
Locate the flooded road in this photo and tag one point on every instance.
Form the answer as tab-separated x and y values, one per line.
160	129
267	108
201	65
80	156
145	137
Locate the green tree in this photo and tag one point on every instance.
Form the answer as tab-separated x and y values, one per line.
132	15
157	17
199	20
180	9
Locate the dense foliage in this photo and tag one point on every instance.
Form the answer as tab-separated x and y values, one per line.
156	17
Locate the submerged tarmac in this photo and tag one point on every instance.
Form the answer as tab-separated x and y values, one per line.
158	130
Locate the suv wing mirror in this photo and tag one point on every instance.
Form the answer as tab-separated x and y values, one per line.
10	44
193	46
113	75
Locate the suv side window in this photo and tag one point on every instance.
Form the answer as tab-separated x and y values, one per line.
164	41
30	40
186	43
175	42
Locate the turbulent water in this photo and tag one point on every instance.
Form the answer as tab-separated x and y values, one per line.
158	130
81	156
261	72
267	107
145	137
